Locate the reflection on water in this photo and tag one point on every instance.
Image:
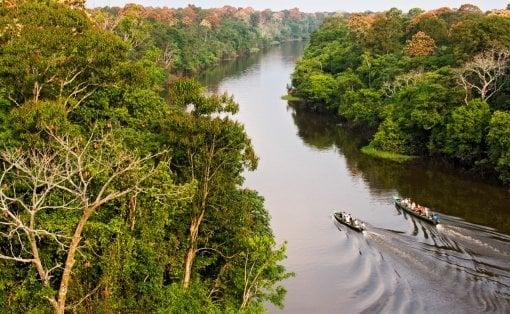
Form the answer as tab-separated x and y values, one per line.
430	183
310	165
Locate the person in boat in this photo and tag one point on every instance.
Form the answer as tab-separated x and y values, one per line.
356	223
363	226
348	218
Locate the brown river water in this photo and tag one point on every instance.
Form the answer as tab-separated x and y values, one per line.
311	165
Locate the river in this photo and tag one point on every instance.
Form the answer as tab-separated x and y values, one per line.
310	165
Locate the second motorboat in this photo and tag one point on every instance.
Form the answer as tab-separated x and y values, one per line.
349	221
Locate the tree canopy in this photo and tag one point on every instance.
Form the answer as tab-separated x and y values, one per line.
121	183
429	83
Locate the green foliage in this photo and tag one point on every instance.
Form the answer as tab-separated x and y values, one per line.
55	55
465	133
408	93
211	35
478	32
319	88
290	98
391	138
374	152
363	107
386	33
62	76
499	143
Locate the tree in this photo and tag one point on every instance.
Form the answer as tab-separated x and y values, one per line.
415	12
466	131
408	94
470	8
361	106
420	45
256	263
112	230
499	143
475	34
485	73
386	33
391	138
430	24
56	54
67	179
319	88
360	25
213	153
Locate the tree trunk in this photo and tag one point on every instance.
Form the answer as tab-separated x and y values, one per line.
192	250
71	253
190	258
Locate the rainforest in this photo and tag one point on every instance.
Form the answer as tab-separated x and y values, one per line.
195	159
424	83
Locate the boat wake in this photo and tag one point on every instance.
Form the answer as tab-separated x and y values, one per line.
429	269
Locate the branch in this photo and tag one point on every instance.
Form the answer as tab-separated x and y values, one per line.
17	259
75	305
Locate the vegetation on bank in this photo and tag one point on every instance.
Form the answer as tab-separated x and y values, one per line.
191	38
430	83
121	189
290	97
374	152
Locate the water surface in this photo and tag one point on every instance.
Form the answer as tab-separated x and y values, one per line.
310	165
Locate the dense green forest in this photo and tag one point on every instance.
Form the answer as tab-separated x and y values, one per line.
120	184
191	38
422	83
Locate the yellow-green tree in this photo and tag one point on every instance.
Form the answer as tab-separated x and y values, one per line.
420	45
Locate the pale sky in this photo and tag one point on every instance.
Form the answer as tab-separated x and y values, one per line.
311	5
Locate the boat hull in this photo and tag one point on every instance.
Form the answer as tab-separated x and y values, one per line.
413	213
340	218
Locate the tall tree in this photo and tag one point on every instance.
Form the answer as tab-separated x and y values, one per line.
214	152
68	179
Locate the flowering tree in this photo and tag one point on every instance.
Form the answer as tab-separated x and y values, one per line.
420	45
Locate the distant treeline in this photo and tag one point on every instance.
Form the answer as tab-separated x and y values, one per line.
189	39
432	83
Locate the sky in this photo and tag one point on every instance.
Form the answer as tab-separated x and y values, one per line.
311	5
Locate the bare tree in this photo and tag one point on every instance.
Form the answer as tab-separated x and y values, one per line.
167	58
390	88
485	73
71	177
